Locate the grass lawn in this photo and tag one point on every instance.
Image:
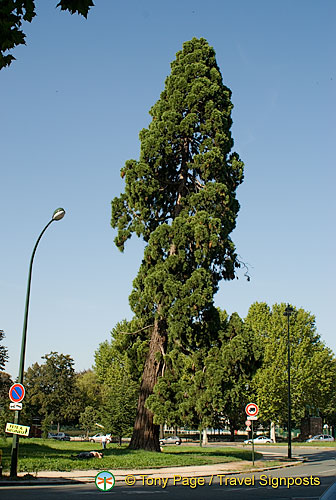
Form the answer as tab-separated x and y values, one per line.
47	454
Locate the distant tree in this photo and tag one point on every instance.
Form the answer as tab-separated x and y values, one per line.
181	198
118	371
3	351
119	406
312	363
88	419
240	357
14	12
88	392
46	425
50	389
5	412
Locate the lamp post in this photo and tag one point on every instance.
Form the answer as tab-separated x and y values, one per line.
57	215
288	311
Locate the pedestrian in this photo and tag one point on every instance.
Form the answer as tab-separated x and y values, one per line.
103	442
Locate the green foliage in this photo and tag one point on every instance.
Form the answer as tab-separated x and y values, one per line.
233	367
50	389
126	350
119	407
210	386
180	196
46	425
14	12
88	389
88	419
3	351
5	413
119	371
313	365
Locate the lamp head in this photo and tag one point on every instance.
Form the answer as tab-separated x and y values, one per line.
288	311
58	214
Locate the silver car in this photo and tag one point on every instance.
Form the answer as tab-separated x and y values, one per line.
99	437
171	440
320	438
259	440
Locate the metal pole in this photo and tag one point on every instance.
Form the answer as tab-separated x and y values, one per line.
288	311
289	396
252	446
15	443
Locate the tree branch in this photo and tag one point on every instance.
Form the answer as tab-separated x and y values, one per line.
141	329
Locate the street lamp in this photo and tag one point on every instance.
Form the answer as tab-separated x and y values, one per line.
57	215
288	311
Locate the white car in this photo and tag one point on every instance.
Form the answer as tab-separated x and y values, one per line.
320	437
99	437
259	440
171	440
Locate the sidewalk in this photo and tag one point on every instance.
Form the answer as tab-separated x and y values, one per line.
137	476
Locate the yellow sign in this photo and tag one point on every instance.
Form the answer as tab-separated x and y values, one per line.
23	430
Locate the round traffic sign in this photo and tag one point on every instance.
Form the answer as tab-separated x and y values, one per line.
16	393
252	410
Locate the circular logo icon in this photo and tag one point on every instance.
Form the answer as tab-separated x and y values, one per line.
104	480
252	410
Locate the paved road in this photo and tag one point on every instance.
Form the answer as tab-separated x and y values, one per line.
320	468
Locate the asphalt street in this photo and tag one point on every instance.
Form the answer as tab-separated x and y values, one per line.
318	472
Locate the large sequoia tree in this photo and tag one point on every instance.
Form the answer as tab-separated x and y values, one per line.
180	197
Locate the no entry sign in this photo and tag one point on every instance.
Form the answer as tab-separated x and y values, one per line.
252	410
16	393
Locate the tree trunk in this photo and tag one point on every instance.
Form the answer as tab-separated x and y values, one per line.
205	437
145	433
273	432
232	435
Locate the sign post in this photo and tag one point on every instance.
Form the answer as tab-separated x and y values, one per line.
252	446
252	411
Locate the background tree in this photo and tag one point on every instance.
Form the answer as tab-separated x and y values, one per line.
181	198
88	419
50	389
88	390
5	413
312	363
3	351
14	12
119	375
235	366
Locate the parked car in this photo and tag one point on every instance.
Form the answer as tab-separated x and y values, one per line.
259	440
98	438
171	440
61	436
320	437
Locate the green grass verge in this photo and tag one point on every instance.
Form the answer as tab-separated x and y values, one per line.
38	454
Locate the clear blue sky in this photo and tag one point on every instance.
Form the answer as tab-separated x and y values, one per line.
72	105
